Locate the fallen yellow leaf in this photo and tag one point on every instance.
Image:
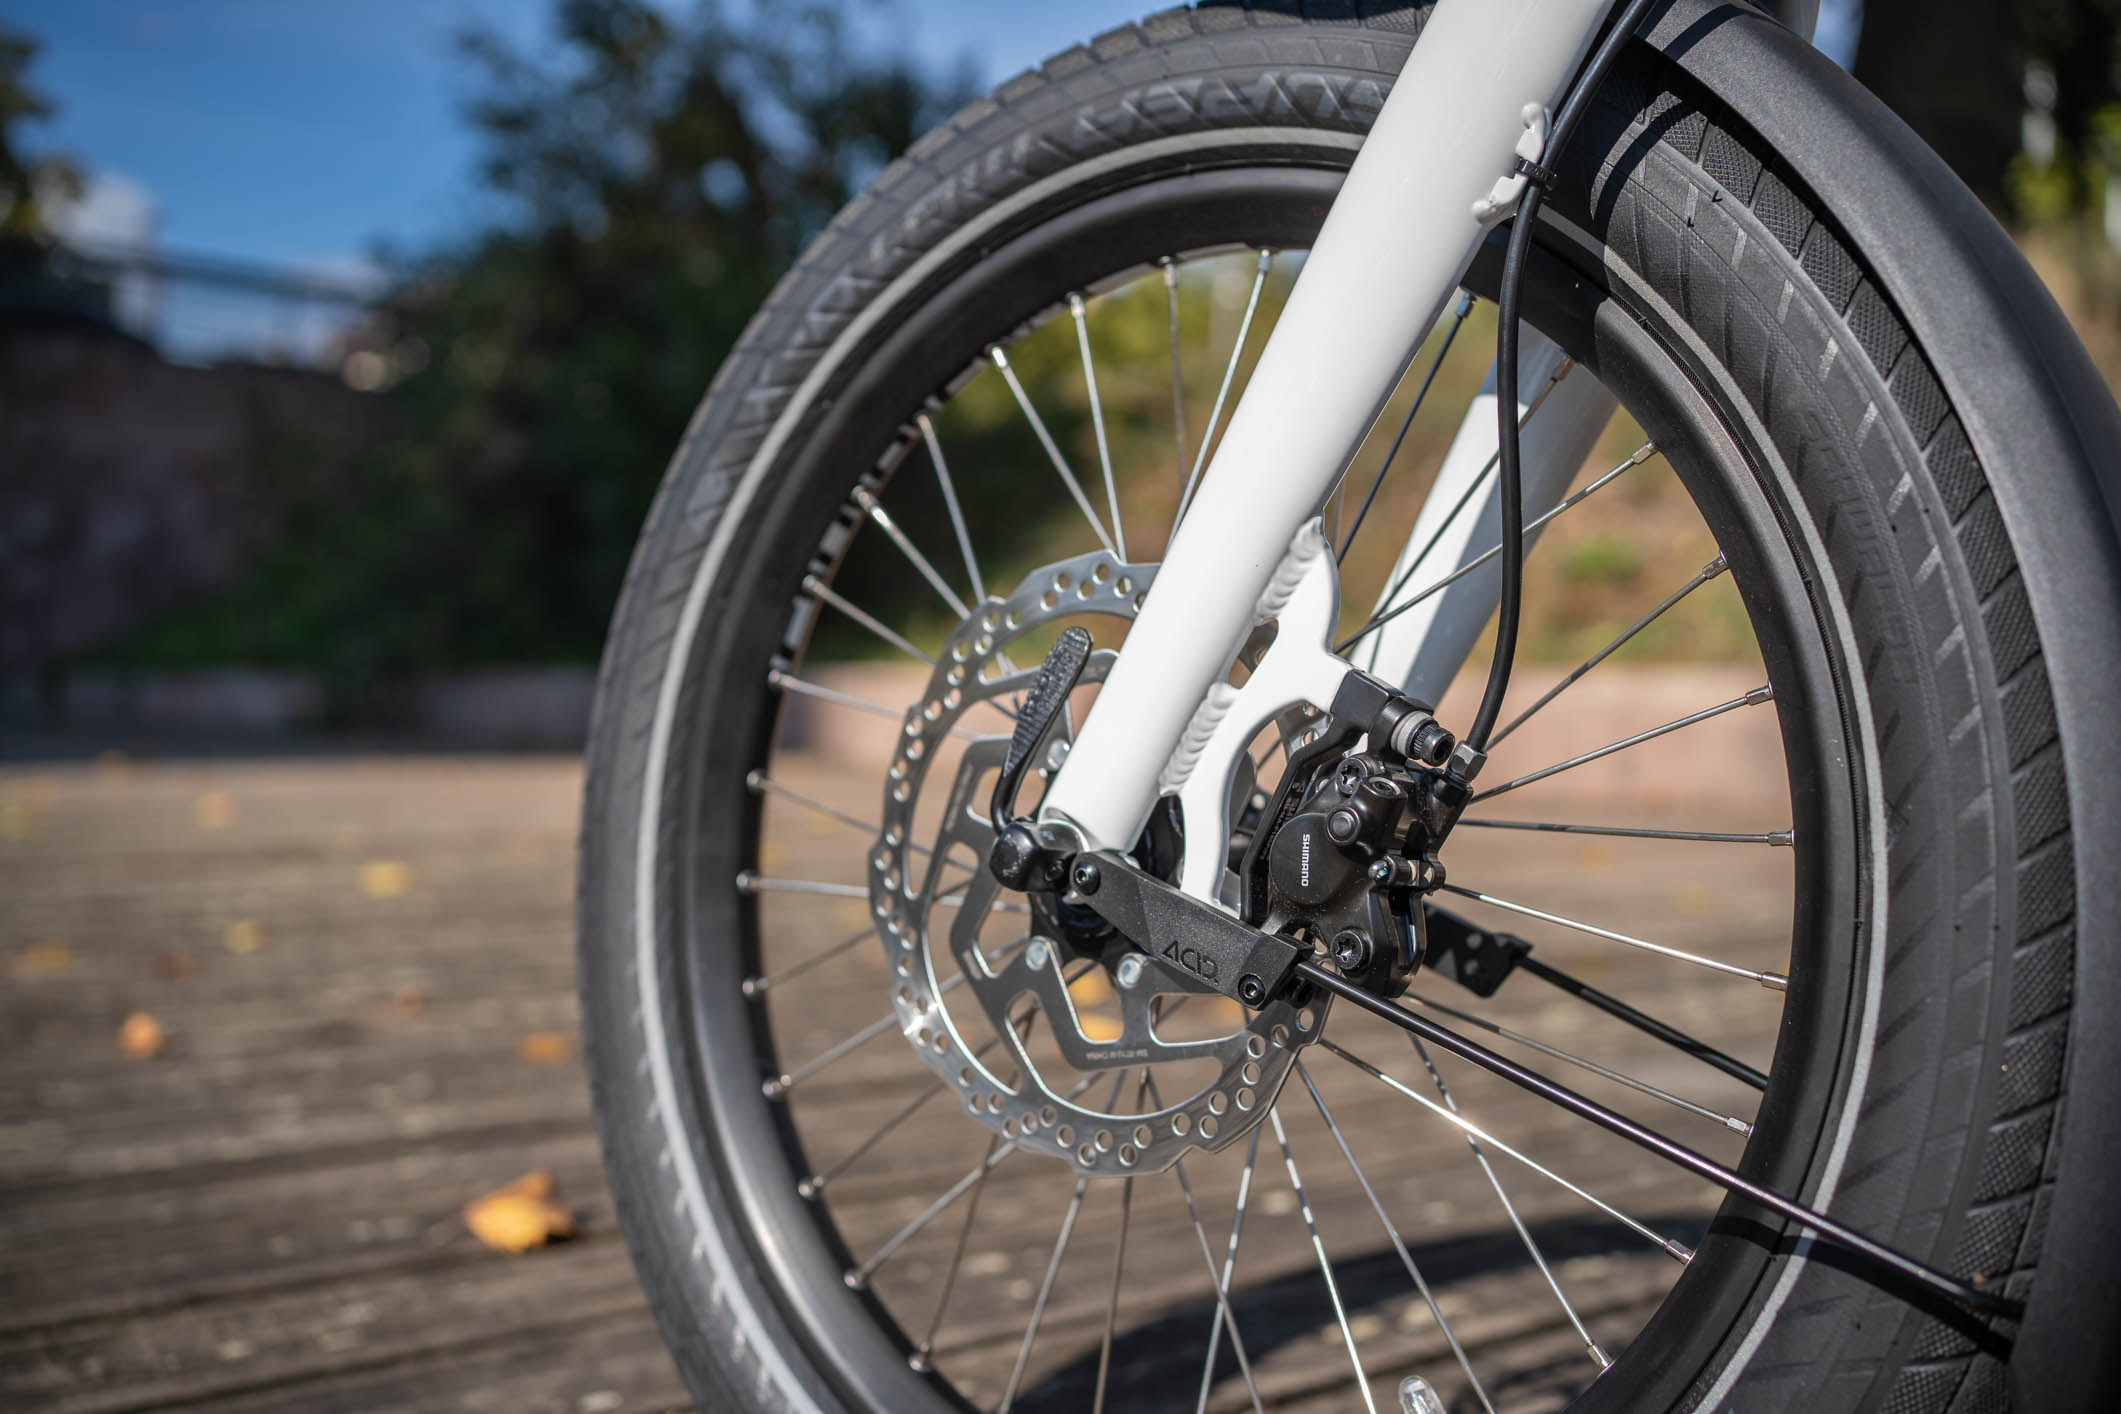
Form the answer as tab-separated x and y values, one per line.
544	1047
243	935
385	878
214	810
520	1215
141	1036
18	819
46	959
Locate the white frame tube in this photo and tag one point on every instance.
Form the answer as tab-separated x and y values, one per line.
1394	247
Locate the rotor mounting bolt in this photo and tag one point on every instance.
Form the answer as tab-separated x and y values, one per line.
1086	876
1351	950
1250	990
1129	971
1035	955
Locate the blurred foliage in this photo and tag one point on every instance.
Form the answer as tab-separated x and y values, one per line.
2019	96
24	178
660	174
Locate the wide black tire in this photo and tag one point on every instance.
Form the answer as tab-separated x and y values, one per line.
1942	1141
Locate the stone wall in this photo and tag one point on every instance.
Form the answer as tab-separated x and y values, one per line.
129	484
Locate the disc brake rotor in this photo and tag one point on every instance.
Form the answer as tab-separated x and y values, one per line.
921	892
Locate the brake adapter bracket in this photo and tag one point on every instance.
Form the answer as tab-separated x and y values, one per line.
1195	940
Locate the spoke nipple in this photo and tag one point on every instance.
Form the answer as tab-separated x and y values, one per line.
1759	695
1075	304
918	1361
1715	567
810	584
1643	453
809	1187
853	1278
1001	360
747	882
866	499
1774	981
1782	838
1604	1360
1416	1396
1739	1126
754	986
755	781
776	1087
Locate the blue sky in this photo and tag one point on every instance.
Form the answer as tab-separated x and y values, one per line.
305	132
308	132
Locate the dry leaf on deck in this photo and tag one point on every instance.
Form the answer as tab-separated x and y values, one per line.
46	959
141	1036
520	1215
385	878
544	1048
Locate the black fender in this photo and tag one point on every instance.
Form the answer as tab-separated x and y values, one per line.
2045	426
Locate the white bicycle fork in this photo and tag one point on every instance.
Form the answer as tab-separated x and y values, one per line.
1394	248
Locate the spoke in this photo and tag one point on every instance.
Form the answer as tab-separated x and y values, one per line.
762	784
1178	382
750	883
1751	699
1119	1262
1781	838
1398	1245
1215	414
1053	452
789	682
919	1358
813	585
1480	479
759	986
1224	1315
1465	307
1773	981
1524	1233
781	1084
1707	572
1378	621
1643	1022
1676	1250
811	1186
1097	421
957	513
1868	1258
1730	1122
1045	1290
874	509
1325	1268
857	1277
1060	1250
1222	1285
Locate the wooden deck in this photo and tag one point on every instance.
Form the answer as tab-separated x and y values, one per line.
348	957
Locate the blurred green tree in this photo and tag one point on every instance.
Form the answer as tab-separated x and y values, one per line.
658	173
24	179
